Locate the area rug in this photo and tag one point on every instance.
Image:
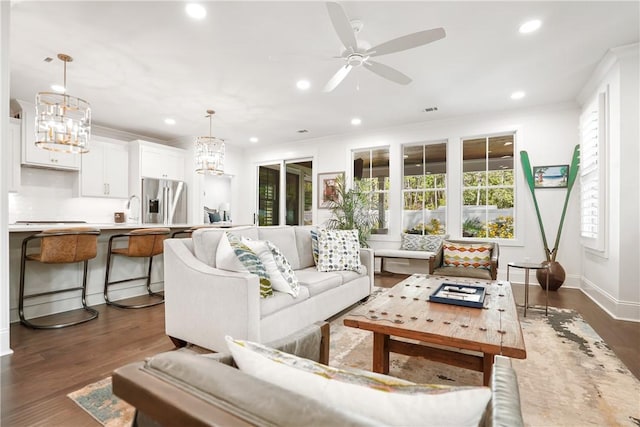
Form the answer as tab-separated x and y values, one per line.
569	378
98	400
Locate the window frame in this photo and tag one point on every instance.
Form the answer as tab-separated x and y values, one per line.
387	192
594	114
404	190
516	240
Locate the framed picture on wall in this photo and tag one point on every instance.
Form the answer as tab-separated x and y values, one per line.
327	191
551	176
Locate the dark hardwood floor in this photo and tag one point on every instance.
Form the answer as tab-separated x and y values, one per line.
48	364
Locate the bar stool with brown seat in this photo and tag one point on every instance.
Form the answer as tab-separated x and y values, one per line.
142	243
60	246
187	232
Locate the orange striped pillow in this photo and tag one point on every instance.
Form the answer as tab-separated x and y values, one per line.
467	255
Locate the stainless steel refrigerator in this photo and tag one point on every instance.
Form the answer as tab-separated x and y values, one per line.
164	201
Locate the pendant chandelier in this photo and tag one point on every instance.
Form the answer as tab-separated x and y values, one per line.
209	152
63	122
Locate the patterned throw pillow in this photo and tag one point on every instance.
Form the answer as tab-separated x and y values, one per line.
314	245
278	268
250	261
467	255
338	250
417	242
389	401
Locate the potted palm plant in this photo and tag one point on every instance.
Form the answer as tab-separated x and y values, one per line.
350	210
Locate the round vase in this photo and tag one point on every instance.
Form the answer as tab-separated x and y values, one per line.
556	277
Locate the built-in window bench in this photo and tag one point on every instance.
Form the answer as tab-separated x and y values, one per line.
405	254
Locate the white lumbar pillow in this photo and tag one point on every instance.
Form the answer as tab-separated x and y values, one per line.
383	398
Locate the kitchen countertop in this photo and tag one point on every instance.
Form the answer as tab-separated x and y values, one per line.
41	226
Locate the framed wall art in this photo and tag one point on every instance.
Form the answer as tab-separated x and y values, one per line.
555	176
327	191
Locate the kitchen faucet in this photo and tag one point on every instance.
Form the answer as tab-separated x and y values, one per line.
135	211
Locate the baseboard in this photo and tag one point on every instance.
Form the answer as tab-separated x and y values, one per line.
5	348
619	310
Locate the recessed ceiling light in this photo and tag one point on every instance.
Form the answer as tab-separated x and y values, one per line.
57	88
517	95
170	121
196	11
530	26
356	121
253	139
303	84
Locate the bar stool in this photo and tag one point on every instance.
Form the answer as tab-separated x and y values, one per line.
189	231
60	246
142	243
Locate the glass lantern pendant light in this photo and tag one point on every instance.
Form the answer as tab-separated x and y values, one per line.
209	152
63	122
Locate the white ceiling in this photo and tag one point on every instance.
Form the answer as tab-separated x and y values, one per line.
140	62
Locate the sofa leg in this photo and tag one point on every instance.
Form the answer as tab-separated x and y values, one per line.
177	342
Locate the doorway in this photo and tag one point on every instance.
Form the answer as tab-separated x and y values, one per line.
293	178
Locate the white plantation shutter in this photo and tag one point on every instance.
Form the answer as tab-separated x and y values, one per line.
592	173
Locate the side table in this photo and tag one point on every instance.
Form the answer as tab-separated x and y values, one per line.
531	266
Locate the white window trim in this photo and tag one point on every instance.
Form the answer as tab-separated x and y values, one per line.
599	108
518	184
351	179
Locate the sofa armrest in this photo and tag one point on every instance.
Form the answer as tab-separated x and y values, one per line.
504	409
495	256
366	259
193	291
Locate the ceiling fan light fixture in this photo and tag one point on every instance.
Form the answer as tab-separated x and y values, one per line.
209	152
63	122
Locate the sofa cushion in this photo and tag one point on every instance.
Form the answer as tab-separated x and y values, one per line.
281	300
231	245
383	398
338	250
417	242
285	239
304	245
318	282
470	255
206	240
281	275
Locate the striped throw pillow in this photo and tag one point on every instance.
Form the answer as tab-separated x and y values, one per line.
251	262
467	255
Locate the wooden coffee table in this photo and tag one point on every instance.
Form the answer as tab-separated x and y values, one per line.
472	336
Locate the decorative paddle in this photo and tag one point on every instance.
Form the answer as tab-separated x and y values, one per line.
573	174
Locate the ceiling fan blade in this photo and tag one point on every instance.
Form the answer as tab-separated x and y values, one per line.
337	78
342	26
387	72
407	42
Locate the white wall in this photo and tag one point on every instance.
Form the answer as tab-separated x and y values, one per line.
548	133
5	8
611	277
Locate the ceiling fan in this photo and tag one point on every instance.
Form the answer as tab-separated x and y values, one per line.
356	56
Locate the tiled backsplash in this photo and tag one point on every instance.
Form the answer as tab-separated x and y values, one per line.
52	195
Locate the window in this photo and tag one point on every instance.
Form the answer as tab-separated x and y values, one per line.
371	173
592	188
424	191
295	209
488	187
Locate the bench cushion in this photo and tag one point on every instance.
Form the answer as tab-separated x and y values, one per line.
419	242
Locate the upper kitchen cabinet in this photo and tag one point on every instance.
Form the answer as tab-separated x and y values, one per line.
150	160
37	157
105	169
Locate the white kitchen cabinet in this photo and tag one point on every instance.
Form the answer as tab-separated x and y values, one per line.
160	162
105	170
14	142
37	157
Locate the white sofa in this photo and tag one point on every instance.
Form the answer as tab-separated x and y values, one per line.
204	303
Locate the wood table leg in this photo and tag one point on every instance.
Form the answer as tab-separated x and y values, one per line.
380	353
487	368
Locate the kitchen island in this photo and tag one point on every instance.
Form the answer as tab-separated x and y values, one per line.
46	277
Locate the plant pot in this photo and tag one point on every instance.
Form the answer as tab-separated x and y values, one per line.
556	279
